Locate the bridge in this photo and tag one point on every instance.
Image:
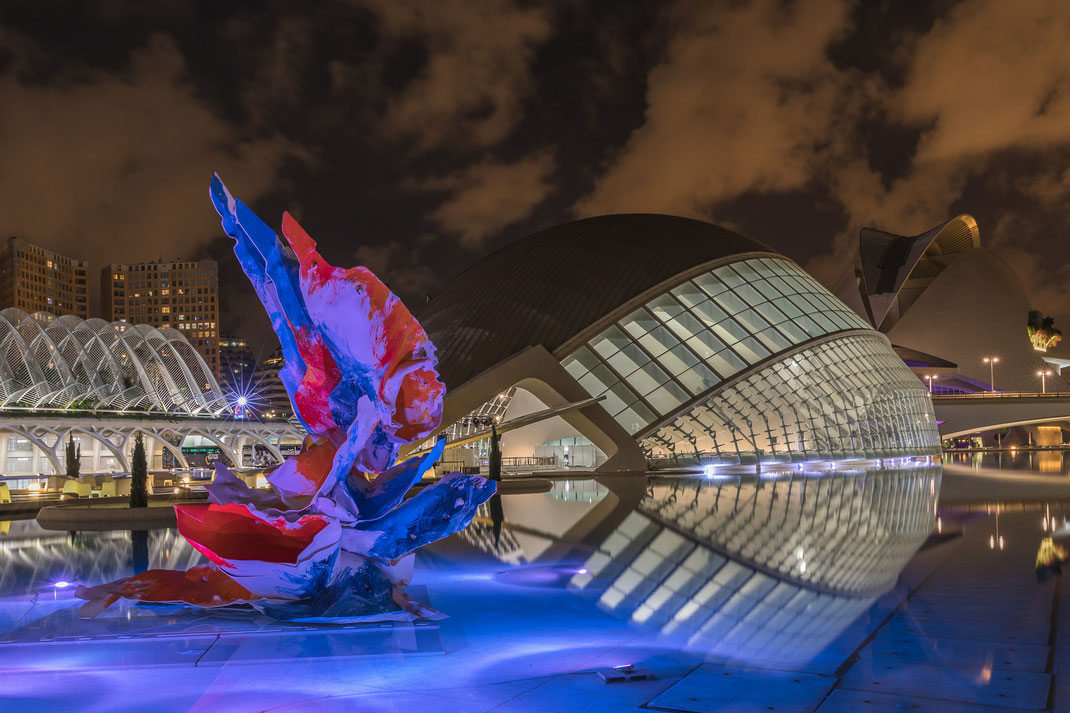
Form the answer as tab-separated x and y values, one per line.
963	414
32	441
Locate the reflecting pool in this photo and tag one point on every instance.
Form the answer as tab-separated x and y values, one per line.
1040	461
735	568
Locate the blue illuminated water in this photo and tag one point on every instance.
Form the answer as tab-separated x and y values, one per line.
795	573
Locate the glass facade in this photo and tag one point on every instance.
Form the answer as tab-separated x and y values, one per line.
850	397
702	332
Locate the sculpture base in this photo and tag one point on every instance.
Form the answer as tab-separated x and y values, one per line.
131	635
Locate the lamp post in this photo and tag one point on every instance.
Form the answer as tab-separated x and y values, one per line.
1044	374
991	361
930	378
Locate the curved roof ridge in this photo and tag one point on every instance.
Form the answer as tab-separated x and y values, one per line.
888	259
547	287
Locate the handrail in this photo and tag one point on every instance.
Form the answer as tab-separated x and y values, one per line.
1006	395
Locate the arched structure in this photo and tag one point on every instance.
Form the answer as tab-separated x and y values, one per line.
34	444
49	362
103	383
895	269
702	346
947	303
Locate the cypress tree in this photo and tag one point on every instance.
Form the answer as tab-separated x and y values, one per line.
73	458
139	476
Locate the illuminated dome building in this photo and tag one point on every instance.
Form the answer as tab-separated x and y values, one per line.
91	365
947	303
619	340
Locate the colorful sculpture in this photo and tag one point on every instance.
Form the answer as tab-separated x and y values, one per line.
333	538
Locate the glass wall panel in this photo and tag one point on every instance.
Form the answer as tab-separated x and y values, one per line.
848	398
704	331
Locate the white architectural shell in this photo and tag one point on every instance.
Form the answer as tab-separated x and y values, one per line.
49	362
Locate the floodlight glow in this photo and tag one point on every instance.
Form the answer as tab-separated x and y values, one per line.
242	400
62	584
708	471
582	570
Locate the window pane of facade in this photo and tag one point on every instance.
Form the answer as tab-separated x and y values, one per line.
665	307
658	340
639	323
667	398
598	380
609	341
699	379
678	360
628	359
647	378
689	294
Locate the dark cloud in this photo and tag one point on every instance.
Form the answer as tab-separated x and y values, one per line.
114	166
476	71
415	136
486	197
725	117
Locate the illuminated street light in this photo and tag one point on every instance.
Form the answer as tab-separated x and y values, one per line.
991	361
1044	374
930	377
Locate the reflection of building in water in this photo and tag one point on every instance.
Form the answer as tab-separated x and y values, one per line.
480	533
30	554
587	491
772	568
741	567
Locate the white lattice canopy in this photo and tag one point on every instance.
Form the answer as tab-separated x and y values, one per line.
49	362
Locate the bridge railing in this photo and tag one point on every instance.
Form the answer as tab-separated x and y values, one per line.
1006	395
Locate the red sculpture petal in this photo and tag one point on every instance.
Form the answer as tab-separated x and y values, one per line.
301	476
393	349
202	586
223	533
321	376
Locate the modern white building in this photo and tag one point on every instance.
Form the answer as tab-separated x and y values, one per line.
624	340
101	383
948	304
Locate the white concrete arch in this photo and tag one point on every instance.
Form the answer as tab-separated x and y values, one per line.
89	433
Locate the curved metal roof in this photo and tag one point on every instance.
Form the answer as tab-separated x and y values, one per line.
889	260
69	363
548	287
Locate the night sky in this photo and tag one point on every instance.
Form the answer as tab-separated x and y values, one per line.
414	137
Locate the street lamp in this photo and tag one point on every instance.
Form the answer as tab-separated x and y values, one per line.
930	377
1044	374
991	361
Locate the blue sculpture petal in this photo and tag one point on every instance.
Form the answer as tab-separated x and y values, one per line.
439	510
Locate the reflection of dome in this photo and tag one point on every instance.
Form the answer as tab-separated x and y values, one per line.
941	294
66	362
751	568
699	343
770	581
